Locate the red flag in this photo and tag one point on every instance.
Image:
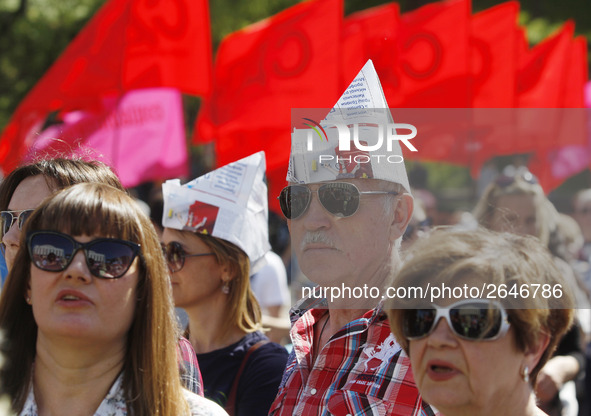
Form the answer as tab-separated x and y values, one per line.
371	34
493	55
128	44
433	66
261	72
554	166
542	71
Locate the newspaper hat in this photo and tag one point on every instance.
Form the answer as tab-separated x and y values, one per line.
352	140
228	203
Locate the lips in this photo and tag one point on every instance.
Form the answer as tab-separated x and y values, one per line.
317	246
72	297
439	370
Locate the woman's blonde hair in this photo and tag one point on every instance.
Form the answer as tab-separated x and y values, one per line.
243	310
150	370
487	260
487	205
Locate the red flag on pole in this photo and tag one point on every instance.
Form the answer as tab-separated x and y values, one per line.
493	55
433	67
371	34
554	166
288	61
127	45
541	74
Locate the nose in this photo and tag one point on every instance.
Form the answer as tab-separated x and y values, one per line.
78	269
11	241
316	217
442	336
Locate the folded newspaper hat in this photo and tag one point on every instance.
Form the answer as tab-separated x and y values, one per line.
228	203
356	139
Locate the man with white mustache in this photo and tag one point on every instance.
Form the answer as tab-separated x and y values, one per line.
345	232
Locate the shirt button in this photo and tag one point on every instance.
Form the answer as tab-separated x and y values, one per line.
313	391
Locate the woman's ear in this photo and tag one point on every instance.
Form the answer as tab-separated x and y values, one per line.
534	353
28	294
402	215
226	273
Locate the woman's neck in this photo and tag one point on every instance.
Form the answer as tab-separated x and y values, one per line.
73	378
524	407
206	329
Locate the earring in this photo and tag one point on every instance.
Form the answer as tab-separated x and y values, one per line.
28	300
226	288
525	374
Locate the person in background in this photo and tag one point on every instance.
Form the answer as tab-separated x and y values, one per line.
269	286
477	356
24	188
215	236
22	191
87	313
516	203
418	226
582	214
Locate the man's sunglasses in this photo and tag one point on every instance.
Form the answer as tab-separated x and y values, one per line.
472	319
175	254
106	258
9	217
338	198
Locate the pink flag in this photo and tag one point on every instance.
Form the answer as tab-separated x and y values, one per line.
141	135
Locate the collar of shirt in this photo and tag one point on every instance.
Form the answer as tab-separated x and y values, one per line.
112	405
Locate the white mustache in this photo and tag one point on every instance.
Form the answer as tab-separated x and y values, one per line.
312	237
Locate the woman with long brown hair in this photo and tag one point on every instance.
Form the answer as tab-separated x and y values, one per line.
87	313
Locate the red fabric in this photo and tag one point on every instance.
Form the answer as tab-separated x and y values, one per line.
127	45
261	72
432	50
554	166
371	34
493	56
542	71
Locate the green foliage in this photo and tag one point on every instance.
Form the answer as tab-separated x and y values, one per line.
31	40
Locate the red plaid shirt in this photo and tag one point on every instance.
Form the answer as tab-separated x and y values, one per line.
362	370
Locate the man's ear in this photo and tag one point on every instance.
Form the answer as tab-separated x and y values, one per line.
402	215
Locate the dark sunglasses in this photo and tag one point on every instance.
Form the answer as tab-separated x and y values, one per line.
175	254
472	319
9	217
106	258
338	198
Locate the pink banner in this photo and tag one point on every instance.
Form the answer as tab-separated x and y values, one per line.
141	135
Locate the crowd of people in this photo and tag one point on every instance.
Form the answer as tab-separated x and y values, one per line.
87	308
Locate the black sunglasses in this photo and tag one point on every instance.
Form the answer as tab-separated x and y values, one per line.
472	319
338	198
106	258
9	217
175	254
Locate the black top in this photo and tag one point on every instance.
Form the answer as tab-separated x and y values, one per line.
260	379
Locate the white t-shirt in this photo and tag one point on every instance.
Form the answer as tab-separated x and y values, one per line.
270	283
